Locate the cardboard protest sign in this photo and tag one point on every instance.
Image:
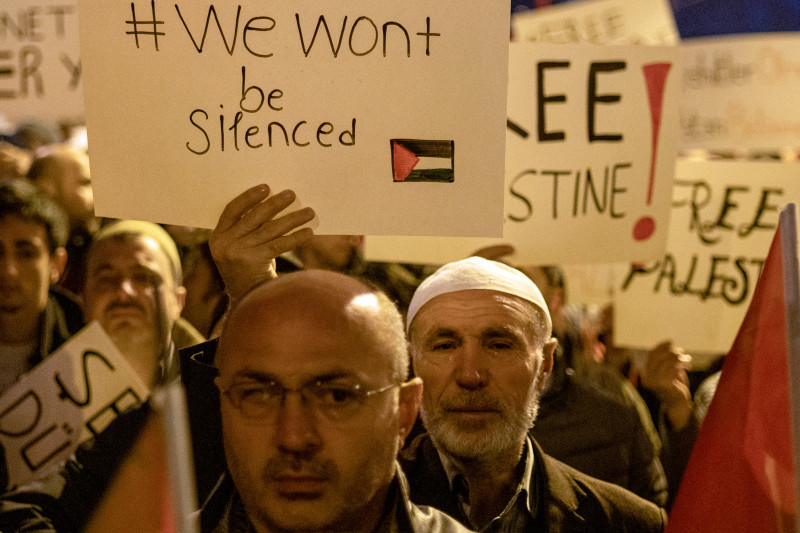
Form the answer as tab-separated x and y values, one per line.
724	216
40	68
741	92
385	117
590	154
65	400
598	22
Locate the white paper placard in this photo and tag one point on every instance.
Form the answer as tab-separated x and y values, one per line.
740	92
724	217
385	117
599	22
591	148
65	400
40	68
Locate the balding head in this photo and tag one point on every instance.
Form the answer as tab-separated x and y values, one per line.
63	172
324	298
313	406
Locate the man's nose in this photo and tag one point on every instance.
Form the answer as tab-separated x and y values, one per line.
8	266
297	426
471	371
125	287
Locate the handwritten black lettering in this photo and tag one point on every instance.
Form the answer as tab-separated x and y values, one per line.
212	11
234	127
593	98
47	440
542	99
587	195
65	394
725	278
518	195
710	228
26	410
199	127
74	70
363	36
30	59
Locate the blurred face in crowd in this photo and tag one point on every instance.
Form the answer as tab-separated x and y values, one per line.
483	364
67	179
131	291
308	447
27	269
331	252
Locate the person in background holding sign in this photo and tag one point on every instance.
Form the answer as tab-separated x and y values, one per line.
133	290
35	317
479	334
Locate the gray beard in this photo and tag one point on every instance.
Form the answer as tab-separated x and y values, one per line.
470	443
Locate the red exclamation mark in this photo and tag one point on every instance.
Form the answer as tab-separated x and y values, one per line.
655	76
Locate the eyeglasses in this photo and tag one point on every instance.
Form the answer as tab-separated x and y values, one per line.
259	401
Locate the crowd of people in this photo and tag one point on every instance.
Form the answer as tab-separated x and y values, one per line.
326	392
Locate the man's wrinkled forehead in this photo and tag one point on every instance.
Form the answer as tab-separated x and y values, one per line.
128	250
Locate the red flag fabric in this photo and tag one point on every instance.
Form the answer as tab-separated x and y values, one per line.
741	476
138	500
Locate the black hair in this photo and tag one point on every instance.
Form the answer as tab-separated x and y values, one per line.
21	198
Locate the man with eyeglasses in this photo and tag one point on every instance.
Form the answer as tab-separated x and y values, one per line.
315	406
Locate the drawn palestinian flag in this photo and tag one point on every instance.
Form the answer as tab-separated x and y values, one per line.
422	160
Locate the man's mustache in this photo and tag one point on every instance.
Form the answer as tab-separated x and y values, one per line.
471	401
292	465
124	305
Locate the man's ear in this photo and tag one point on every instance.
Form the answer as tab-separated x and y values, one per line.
410	400
548	350
180	297
58	262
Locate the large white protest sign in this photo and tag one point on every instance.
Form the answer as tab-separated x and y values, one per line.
67	399
385	117
599	22
741	92
590	155
724	216
40	68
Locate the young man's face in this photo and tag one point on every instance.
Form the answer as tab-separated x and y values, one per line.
27	268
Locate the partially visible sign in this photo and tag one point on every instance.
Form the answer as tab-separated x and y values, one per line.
67	399
590	154
386	117
741	92
724	216
40	67
598	22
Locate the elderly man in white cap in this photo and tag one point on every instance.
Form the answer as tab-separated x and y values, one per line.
480	338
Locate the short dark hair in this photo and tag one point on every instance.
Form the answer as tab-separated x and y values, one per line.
21	198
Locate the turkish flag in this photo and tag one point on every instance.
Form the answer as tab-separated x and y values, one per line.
741	475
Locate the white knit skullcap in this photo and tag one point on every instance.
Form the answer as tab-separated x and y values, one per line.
476	273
